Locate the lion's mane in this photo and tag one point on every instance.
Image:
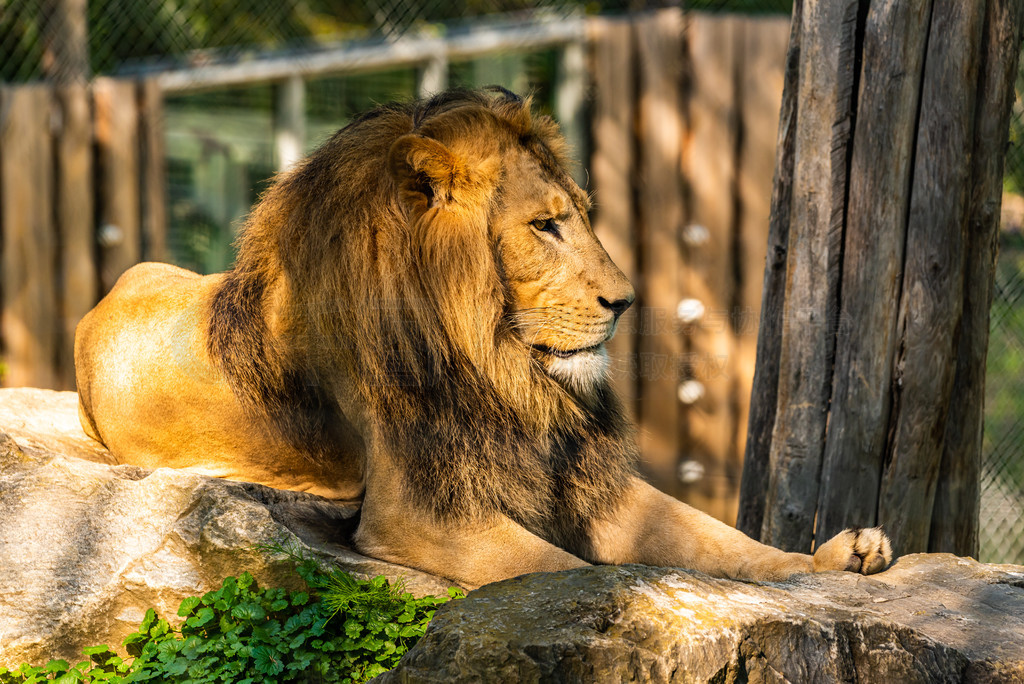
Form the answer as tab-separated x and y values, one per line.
414	314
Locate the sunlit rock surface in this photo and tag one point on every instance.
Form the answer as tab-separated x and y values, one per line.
930	618
86	547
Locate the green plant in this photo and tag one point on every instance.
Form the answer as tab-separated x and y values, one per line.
342	630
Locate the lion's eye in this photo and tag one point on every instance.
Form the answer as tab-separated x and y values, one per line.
547	226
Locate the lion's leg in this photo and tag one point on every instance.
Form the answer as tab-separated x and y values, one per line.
471	552
655	529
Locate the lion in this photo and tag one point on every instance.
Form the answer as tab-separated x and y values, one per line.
416	323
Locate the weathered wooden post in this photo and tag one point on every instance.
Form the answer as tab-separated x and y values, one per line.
65	41
866	407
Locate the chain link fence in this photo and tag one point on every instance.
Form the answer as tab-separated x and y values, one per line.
221	154
128	36
221	145
1002	473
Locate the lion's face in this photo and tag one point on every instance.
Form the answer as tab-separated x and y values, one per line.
566	294
471	174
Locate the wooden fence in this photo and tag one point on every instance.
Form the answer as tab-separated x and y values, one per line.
82	198
684	123
684	112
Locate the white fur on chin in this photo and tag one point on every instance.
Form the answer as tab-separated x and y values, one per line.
580	372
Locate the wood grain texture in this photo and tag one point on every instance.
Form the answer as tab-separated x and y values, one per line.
659	40
117	145
954	524
880	175
827	58
612	167
79	283
29	312
933	276
709	273
770	77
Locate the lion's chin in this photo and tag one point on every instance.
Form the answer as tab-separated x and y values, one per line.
582	371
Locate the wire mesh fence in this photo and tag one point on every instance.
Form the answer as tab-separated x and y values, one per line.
1002	475
221	154
221	146
126	36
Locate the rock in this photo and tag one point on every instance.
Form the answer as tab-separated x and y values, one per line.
929	618
44	422
86	547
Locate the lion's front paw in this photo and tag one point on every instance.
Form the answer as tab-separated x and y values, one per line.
866	551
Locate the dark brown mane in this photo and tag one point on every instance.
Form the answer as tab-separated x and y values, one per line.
333	281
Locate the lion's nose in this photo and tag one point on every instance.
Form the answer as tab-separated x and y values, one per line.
618	306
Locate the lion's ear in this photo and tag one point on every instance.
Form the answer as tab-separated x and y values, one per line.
426	171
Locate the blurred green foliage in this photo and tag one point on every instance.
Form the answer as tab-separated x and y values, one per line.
1013	178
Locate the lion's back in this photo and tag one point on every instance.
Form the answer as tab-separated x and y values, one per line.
142	340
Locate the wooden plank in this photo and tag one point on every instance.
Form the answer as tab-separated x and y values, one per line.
29	311
769	74
933	276
117	145
659	41
154	171
894	42
612	166
825	90
954	525
79	285
709	160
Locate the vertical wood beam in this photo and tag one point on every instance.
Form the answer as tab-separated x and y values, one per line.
659	41
895	37
29	310
289	121
933	275
769	82
433	75
828	37
66	41
954	524
709	168
117	145
79	282
152	129
570	96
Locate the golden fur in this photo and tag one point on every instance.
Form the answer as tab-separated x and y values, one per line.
415	321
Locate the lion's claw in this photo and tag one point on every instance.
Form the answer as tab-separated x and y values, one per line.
866	551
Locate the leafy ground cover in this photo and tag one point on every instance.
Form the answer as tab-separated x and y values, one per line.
341	630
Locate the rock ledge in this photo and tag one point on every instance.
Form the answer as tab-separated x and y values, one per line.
87	547
929	618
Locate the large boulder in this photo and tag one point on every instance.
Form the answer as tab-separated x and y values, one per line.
929	618
87	546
